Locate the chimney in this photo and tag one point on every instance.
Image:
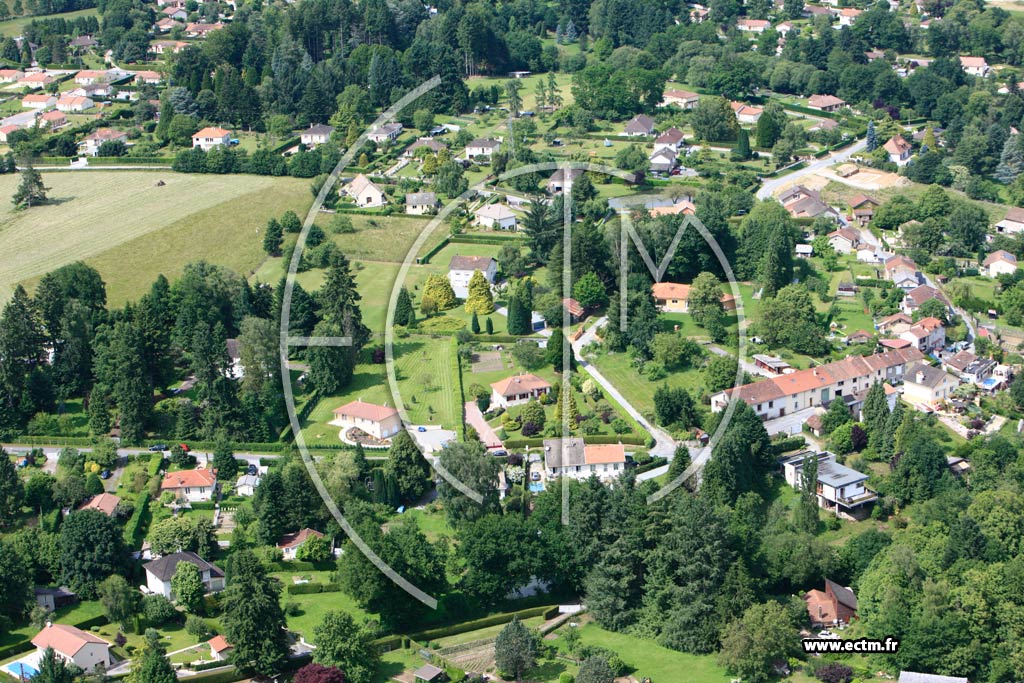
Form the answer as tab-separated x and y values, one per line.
920	376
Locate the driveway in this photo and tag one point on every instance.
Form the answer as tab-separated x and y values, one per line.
770	187
791	424
476	420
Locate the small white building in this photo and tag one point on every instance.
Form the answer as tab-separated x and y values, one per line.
1013	224
461	269
247	485
74	646
91	144
974	66
482	147
319	134
74	103
192	485
208	138
421	203
42	101
220	649
364	192
840	488
389	132
1000	263
496	217
160	573
899	150
518	389
572	458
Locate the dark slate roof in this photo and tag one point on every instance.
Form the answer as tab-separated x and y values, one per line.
163	568
843	594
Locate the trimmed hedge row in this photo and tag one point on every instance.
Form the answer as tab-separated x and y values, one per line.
203	505
131	529
311	588
652	464
433	252
476	624
389	643
476	238
457	369
624	439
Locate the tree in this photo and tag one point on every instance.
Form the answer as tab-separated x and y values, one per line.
515	100
742	150
806	513
91	548
705	301
555	353
342	644
595	669
315	549
479	299
515	649
120	600
12	493
52	669
224	458
790	319
405	314
720	372
674	405
469	463
520	306
836	415
408	466
16	580
318	673
30	190
713	120
876	412
872	137
589	291
187	586
752	644
252	618
740	459
440	291
153	666
273	238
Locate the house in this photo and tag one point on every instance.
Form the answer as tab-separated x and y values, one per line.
926	335
53	120
318	134
160	572
684	99
200	30
681	208
364	192
746	113
802	202
672	297
11	75
840	488
844	240
290	543
556	183
573	458
38	101
208	138
148	77
671	139
236	370
825	103
662	161
74	103
482	147
699	15
898	150
753	25
817	386
518	389
191	485
428	673
1000	263
104	502
574	309
903	272
36	80
95	90
83	43
389	132
894	324
784	28
974	66
247	485
846	288
860	337
88	77
91	144
928	387
52	599
496	217
833	606
220	650
160	47
772	364
911	677
824	124
639	125
848	16
73	645
166	25
174	13
1013	224
917	296
420	203
380	422
863	208
5	132
461	269
431	144
970	368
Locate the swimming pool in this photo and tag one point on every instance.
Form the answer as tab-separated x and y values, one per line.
20	670
536	486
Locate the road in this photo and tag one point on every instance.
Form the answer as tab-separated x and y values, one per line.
773	185
475	419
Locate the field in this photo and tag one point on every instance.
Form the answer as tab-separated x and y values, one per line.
14	27
130	230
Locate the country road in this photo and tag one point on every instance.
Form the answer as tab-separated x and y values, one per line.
770	187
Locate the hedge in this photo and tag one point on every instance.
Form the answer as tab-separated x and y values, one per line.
229	675
206	666
389	643
26	440
624	439
476	238
310	588
130	161
476	624
433	252
203	505
131	529
652	464
457	369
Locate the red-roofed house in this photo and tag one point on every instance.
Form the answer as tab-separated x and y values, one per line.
53	120
827	103
753	25
191	485
1000	262
380	422
926	335
835	605
518	389
975	66
208	138
43	101
898	150
220	649
683	99
104	502
290	543
74	646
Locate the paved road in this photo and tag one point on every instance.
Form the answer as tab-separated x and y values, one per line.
792	423
770	187
476	420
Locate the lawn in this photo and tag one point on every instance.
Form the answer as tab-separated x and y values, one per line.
312	607
638	390
73	614
130	230
14	27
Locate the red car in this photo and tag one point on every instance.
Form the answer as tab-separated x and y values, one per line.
184	447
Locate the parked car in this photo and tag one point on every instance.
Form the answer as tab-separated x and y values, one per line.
105	474
184	447
251	469
534	476
158	448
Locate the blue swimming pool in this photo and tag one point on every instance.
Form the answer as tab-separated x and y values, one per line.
20	670
536	486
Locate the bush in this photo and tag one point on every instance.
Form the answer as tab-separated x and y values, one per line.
834	672
158	610
197	627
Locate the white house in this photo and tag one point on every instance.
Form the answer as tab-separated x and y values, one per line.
191	485
208	138
496	217
74	103
389	132
746	113
247	485
1000	263
38	101
926	335
461	269
518	389
848	16
683	99
160	573
73	645
88	77
364	192
662	161
220	648
898	150
91	144
482	147
671	139
318	134
839	488
380	422
573	458
1013	224
420	203
974	66
844	240
290	543
928	387
753	25
556	183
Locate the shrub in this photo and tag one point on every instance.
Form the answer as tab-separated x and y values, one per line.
834	672
197	626
158	610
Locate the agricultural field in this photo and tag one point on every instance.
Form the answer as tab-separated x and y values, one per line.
14	27
131	230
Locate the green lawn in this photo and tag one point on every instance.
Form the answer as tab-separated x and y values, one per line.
638	390
431	522
14	27
130	230
73	614
312	607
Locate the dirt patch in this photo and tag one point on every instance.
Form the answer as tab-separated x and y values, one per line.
865	179
486	361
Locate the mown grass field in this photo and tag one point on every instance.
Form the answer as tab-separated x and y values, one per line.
14	27
130	230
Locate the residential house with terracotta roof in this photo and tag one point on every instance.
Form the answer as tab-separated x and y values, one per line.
160	47
91	144
896	323
88	77
36	80
825	103
974	66
220	649
201	30
926	335
844	240
149	77
42	101
365	193
74	103
11	75
210	137
863	208
104	502
1000	262
753	25
573	458
817	386
684	99
848	16
518	389
191	485
898	149
674	297
802	202
903	272
53	120
74	646
833	606
1013	223
380	422
917	296
680	208
746	113
290	543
